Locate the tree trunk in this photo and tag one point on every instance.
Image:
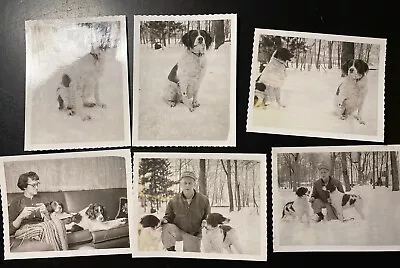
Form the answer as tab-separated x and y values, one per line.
317	63
228	173
359	167
395	171
202	177
373	169
333	159
347	53
387	171
296	171
219	30
330	45
237	187
345	172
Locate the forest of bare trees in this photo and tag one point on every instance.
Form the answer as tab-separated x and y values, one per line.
322	54
171	32
233	183
351	168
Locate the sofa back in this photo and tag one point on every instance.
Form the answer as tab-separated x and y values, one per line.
75	201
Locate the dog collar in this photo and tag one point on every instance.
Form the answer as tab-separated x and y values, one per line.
198	54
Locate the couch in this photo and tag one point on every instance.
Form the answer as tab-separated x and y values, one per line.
75	201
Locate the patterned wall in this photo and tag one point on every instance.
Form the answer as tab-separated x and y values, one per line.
70	174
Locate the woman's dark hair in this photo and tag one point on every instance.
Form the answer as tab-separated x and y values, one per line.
23	179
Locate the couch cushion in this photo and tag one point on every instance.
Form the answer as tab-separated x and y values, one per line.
109	198
106	235
80	237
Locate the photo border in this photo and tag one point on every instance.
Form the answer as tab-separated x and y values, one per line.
311	133
231	139
68	253
274	185
126	141
133	210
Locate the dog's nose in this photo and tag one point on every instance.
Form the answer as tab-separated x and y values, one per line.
200	39
351	70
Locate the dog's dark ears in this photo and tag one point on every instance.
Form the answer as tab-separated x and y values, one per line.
346	66
207	37
149	221
49	207
90	212
301	191
186	40
364	68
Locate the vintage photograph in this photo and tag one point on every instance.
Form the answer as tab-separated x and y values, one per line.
317	85
184	80
199	206
77	93
336	198
66	204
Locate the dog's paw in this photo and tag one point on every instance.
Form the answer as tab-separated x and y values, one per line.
172	104
191	109
102	105
196	104
71	112
89	104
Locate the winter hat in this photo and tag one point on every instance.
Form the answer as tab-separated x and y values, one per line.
323	165
188	174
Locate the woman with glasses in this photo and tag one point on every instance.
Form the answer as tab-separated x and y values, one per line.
31	228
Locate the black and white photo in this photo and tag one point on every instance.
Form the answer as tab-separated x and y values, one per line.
77	93
184	80
66	204
199	206
343	198
317	85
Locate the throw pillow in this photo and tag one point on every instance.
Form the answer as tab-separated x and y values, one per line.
122	208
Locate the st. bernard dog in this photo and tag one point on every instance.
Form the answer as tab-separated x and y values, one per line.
351	93
186	75
298	208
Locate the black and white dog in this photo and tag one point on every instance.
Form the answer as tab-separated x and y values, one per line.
271	79
149	233
351	93
185	77
299	208
218	236
341	201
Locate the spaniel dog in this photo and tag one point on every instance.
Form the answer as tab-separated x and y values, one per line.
341	201
272	78
351	93
94	219
56	209
298	208
149	233
185	77
79	83
217	236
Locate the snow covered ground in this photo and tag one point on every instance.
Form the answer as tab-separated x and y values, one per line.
158	121
309	100
379	228
246	221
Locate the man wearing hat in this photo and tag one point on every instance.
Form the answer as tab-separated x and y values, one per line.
183	216
320	196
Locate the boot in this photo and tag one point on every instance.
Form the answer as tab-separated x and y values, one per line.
171	248
320	216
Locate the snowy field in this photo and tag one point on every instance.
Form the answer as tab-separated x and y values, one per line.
379	228
246	222
49	125
309	100
158	121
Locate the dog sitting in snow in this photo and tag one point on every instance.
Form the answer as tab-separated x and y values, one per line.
351	93
149	233
341	201
217	236
272	78
185	77
80	82
299	208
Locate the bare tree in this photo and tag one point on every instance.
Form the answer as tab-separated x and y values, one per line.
347	53
202	177
317	63
345	172
330	50
219	30
395	171
237	186
228	173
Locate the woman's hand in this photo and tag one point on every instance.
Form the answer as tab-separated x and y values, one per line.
42	208
26	212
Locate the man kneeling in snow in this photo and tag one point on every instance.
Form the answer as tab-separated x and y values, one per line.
184	215
320	196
